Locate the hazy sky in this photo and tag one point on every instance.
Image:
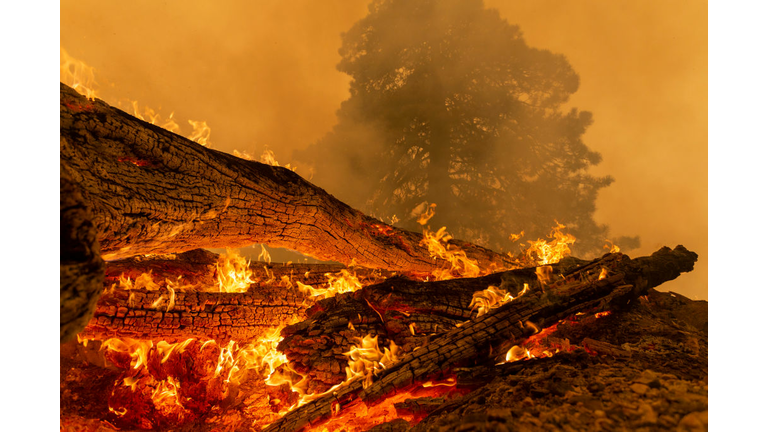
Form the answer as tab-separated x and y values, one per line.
262	73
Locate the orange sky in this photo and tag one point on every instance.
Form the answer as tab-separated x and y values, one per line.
262	73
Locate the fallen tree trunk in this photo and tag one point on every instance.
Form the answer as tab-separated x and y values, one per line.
584	288
152	191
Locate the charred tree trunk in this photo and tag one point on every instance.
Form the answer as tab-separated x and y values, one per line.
153	191
484	337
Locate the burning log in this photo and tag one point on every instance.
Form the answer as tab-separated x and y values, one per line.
408	313
143	314
584	288
152	191
177	308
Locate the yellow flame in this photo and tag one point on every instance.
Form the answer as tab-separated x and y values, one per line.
169	300
493	297
460	264
78	75
154	117
268	157
603	273
518	353
143	281
242	155
234	273
542	252
544	275
338	283
82	77
367	360
165	349
137	349
515	237
121	412
437	245
427	215
166	394
612	248
201	133
264	255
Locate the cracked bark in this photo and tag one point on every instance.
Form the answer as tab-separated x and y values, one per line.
81	269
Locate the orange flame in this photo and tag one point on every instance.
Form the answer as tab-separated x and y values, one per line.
366	359
234	272
77	74
612	248
542	252
427	215
493	297
201	133
603	273
338	283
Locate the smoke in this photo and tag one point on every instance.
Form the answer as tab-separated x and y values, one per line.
264	74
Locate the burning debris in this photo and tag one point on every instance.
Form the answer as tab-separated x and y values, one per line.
180	340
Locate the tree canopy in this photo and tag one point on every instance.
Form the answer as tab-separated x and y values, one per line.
449	105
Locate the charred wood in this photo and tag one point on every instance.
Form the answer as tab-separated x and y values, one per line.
482	337
144	314
81	269
408	313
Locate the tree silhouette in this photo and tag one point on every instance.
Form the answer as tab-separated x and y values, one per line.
449	105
